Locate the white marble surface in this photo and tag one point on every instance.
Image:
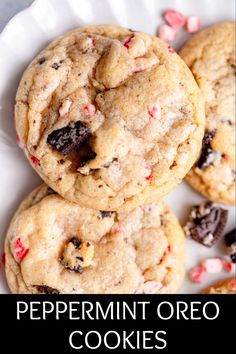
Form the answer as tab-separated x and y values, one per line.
8	9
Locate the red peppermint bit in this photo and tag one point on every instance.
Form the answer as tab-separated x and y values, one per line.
225	156
170	49
127	42
34	160
94	42
155	111
197	274
17	139
169	248
193	24
228	266
174	18
150	177
21	251
90	109
166	33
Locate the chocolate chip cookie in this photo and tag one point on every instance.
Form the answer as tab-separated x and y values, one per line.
210	55
226	286
109	118
55	246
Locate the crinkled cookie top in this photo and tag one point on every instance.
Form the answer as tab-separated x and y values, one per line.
55	246
109	117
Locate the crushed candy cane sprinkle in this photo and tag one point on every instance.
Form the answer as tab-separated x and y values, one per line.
210	266
175	20
20	249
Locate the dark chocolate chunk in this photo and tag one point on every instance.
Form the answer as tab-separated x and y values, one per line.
85	154
41	61
76	242
230	237
208	155
206	223
69	138
55	66
106	214
44	289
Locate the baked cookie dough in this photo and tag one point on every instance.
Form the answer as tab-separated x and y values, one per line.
210	55
109	118
55	246
226	286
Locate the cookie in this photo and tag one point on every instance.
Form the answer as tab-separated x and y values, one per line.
210	55
109	118
226	286
54	246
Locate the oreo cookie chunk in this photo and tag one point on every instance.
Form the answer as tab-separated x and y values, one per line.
230	240
73	141
206	223
208	155
44	289
77	255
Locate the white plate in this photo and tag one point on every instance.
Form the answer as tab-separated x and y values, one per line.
27	33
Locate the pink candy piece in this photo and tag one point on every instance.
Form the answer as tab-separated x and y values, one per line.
212	265
193	24
21	251
170	49
64	109
34	160
127	41
228	266
174	18
89	109
197	274
155	111
166	33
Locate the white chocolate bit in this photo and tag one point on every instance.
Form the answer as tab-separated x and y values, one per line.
152	287
65	106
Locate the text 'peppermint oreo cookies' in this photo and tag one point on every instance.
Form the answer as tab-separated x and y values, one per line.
206	223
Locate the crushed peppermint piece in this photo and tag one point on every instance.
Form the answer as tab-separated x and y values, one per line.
206	223
170	49
193	24
65	106
34	160
212	265
197	274
228	266
155	111
90	109
21	250
127	41
19	142
167	33
174	18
